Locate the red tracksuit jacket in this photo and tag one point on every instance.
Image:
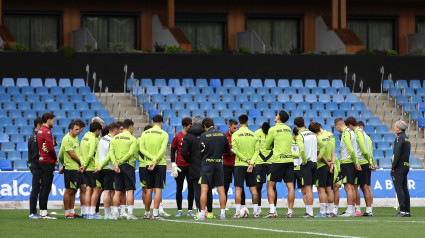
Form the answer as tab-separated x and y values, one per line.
44	135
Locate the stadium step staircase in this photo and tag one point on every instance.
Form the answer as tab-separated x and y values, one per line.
376	104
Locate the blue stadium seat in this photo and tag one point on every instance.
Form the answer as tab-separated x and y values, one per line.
68	106
394	92
39	106
317	91
215	83
30	114
178	90
7	82
226	113
159	98
151	90
389	137
247	105
283	83
338	98
64	122
193	91
337	83
205	105
324	98
374	121
90	98
13	90
325	114
242	83
369	129
21	146
62	98
269	98
290	91
15	113
47	98
220	105
311	98
346	106
184	98
366	113
21	122
260	120
70	90
41	90
207	90
263	91
311	114
409	92
297	113
239	112
386	85
184	113
173	82
223	128
166	90
4	137
64	82
146	82
53	106
262	105
229	83
289	106
78	82
345	91
415	163
191	106
228	98
188	82
82	106
353	113
421	122
8	146
198	112
420	92
283	98
310	83
201	82
103	113
18	98
96	106
14	156
234	106
214	98
324	83
221	90
15	138
50	82
241	98
352	98
254	113
269	83
304	106
402	83
60	114
303	91
160	82
318	106
131	83
21	165
200	98
168	113
255	98
248	91
383	145
26	130
297	98
297	83
28	90
5	165
219	121
269	113
359	106
36	82
235	91
175	121
256	83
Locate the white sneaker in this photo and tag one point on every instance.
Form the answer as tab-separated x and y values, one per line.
114	216
259	211
164	214
131	217
226	209
47	217
123	215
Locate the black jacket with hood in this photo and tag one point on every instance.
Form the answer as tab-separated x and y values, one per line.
191	151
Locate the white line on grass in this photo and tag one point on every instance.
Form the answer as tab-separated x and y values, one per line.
264	229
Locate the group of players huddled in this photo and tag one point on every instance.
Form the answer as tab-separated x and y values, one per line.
208	158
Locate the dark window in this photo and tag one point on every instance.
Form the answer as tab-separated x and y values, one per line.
376	34
420	24
110	31
203	30
279	33
33	30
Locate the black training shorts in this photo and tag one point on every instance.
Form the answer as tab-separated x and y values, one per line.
309	173
126	179
212	174
156	177
262	171
241	175
348	173
107	175
324	177
363	177
279	171
72	179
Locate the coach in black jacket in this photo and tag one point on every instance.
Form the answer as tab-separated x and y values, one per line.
33	156
191	154
400	168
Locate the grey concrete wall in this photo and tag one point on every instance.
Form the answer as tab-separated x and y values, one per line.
160	35
327	40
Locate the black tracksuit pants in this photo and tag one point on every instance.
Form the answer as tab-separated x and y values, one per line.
399	177
47	173
36	187
190	193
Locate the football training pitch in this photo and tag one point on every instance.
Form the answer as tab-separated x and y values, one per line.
15	223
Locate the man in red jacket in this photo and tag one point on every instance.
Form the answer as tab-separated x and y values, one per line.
229	161
46	162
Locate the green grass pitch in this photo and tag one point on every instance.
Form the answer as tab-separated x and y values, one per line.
15	223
